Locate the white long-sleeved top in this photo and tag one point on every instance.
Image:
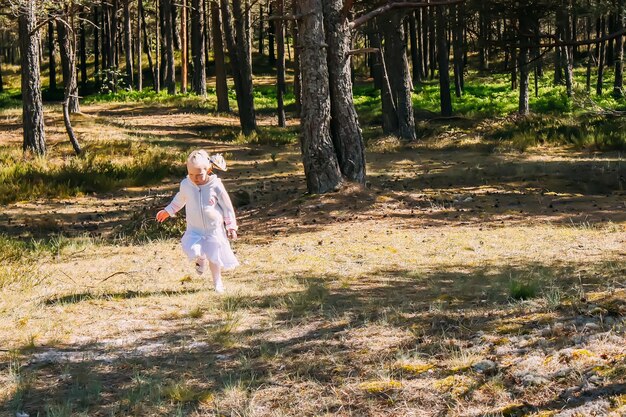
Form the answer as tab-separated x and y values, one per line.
208	206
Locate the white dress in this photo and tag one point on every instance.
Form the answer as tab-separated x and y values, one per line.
209	212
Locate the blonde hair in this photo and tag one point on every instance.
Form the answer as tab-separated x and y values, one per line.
199	159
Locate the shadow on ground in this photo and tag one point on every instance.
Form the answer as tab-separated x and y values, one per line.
334	334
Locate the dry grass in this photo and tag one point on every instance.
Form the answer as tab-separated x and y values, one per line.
374	301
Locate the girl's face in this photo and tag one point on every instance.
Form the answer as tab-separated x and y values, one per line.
198	175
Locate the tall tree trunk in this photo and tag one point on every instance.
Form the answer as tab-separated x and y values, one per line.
140	46
32	106
96	46
241	68
483	38
67	63
558	52
420	46
52	63
174	18
425	45
197	48
514	65
398	70
157	49
105	37
444	64
344	123
432	42
113	50
67	42
590	55
524	66
297	89
206	25
184	59
574	31
261	29
610	49
618	85
377	70
563	18
388	101
280	63
83	50
415	51
601	59
221	88
321	167
170	70
128	44
457	30
271	36
1	82
248	28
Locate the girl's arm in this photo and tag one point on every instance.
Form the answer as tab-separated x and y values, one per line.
172	208
228	211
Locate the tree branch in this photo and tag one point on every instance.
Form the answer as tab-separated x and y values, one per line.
361	20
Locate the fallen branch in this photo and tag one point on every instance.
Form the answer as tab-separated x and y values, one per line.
117	273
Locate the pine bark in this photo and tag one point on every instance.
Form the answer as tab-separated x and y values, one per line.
457	31
32	106
618	84
83	51
396	63
184	60
563	17
601	58
128	44
377	70
280	64
197	48
444	64
157	49
483	39
271	37
524	72
261	29
52	62
221	88
96	46
66	46
321	167
415	51
139	46
297	88
344	124
240	64
168	32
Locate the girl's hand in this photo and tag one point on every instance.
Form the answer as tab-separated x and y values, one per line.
162	216
232	233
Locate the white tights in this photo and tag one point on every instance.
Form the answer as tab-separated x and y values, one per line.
216	272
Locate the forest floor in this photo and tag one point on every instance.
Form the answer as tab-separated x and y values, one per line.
465	279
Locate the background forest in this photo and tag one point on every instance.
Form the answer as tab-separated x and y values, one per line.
430	193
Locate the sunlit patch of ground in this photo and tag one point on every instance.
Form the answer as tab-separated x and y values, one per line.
457	282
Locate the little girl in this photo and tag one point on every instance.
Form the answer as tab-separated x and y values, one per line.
210	216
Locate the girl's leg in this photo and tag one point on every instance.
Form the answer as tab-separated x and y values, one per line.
193	250
216	272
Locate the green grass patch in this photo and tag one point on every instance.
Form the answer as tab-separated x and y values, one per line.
523	290
10	98
273	136
594	132
90	173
